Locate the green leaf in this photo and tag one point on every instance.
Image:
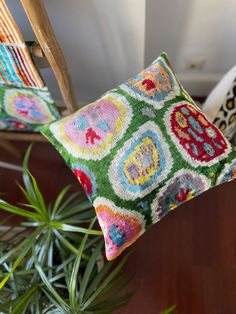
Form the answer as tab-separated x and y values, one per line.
116	286
111	304
23	253
75	208
90	266
12	252
44	247
26	178
61	226
85	216
56	278
68	245
50	256
66	262
39	197
2	300
170	310
24	301
19	273
67	202
59	199
32	224
33	193
38	304
75	270
32	203
18	211
96	281
63	309
15	265
74	276
92	242
5	308
103	285
50	288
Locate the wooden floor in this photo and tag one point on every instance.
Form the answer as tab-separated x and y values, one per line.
188	259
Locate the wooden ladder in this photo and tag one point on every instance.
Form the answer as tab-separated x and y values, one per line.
48	47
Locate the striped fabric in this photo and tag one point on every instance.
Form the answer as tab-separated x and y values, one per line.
25	102
16	66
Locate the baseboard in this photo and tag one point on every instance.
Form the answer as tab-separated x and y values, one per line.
199	84
15	230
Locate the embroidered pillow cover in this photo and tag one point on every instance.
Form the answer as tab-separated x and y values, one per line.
140	151
25	109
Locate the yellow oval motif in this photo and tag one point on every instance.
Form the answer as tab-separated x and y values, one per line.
142	163
182	121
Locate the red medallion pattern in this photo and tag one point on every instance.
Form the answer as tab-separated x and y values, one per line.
197	139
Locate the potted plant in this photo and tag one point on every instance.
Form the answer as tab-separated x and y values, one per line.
54	262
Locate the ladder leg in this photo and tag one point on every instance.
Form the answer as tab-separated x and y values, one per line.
38	17
10	148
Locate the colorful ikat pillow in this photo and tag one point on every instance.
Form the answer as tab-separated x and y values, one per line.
25	109
140	151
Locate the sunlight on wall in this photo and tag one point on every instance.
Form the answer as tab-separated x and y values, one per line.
103	41
188	29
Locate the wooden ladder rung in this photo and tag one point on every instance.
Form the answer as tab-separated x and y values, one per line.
15	136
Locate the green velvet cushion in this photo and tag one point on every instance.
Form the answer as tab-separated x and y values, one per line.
140	151
25	109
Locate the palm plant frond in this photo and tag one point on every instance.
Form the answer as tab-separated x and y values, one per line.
50	265
169	310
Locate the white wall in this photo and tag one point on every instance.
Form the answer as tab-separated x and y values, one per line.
193	28
103	41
